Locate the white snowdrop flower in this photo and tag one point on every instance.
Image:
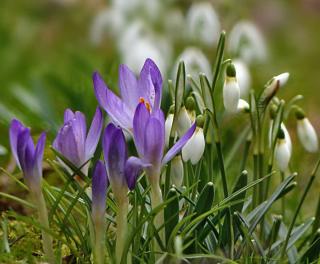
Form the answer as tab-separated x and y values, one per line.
101	25
168	126
194	148
274	85
126	7
282	152
246	41
243	106
174	24
176	172
286	135
184	121
203	23
306	132
243	77
231	90
195	62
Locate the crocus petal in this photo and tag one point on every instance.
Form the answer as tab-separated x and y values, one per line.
115	155
99	189
38	155
94	134
15	129
154	142
128	87
111	103
133	167
140	120
79	128
150	83
179	145
68	115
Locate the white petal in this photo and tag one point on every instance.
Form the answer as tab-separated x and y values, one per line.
168	126
243	106
231	95
287	137
307	135
176	172
243	77
194	148
203	23
282	154
183	122
282	78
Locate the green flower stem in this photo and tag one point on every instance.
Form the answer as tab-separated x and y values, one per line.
122	226
156	200
312	177
99	226
43	219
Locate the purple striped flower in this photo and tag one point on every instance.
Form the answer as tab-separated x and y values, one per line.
149	138
73	141
147	88
122	171
27	155
99	190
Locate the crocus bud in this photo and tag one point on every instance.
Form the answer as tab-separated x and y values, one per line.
194	148
282	152
306	132
231	90
176	172
273	86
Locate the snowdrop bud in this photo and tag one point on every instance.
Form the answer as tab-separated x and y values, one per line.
282	152
203	23
176	172
168	125
183	121
273	111
231	90
306	132
243	106
243	77
194	148
274	85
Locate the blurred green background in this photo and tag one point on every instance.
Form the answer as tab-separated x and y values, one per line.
47	58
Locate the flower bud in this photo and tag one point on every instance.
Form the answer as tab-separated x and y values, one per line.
168	127
273	86
282	152
231	90
184	121
306	132
194	148
176	172
243	106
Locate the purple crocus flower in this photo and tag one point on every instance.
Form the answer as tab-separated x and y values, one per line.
99	190
73	141
147	88
149	138
122	171
28	157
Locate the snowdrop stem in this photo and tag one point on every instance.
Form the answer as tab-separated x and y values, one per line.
283	203
122	226
43	219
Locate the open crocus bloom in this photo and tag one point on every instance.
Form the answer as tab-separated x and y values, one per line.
27	156
149	138
147	88
73	141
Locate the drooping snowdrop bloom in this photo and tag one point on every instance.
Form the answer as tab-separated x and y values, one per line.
306	132
27	156
273	86
176	172
286	135
282	151
168	127
99	193
194	148
29	160
246	41
72	140
147	88
231	90
203	23
195	62
243	77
